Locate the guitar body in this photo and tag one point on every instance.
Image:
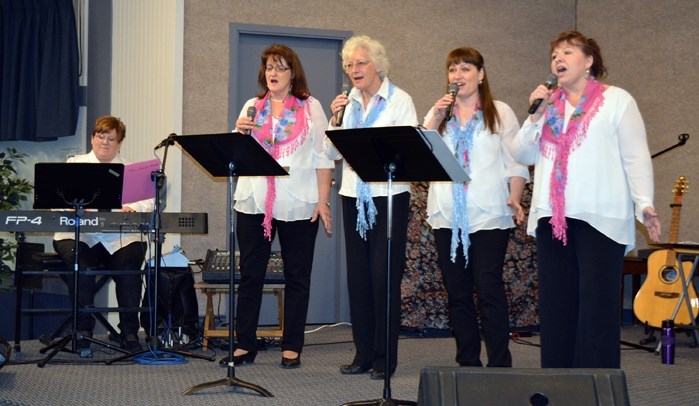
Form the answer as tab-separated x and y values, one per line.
657	298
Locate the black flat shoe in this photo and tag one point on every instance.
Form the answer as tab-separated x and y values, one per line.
130	343
248	357
290	363
353	369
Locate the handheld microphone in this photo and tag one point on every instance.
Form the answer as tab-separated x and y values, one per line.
453	90
170	140
251	115
341	114
551	81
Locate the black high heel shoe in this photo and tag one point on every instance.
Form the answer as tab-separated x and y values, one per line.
248	357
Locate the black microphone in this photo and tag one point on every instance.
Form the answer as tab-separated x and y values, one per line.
453	90
170	140
341	114
551	81
251	115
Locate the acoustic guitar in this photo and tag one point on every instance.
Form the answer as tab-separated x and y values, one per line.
657	298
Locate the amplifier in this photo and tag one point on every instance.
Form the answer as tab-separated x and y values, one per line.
216	268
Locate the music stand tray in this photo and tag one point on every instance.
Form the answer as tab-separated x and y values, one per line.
90	185
418	154
403	154
232	155
215	152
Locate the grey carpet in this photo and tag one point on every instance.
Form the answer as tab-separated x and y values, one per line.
70	380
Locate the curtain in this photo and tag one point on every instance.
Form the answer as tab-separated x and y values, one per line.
423	298
39	67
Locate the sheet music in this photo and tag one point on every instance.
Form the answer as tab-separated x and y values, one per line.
138	182
445	156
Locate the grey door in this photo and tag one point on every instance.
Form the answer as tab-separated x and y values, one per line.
319	51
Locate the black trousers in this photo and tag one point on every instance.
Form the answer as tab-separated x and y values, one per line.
366	279
128	287
297	241
579	296
486	257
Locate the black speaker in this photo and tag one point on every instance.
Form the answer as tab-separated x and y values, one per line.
449	386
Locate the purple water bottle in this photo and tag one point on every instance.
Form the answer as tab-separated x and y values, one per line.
667	342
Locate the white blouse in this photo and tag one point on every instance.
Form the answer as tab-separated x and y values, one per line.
296	194
492	166
399	111
608	174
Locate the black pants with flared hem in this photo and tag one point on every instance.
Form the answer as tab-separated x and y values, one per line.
579	297
297	241
483	275
367	264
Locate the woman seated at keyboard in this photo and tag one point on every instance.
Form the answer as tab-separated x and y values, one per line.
114	251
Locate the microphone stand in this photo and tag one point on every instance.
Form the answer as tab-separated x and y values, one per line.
159	179
682	139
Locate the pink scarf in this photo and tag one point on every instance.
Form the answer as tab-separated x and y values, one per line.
280	140
557	144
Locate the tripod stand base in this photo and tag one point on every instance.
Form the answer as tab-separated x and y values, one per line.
228	381
60	345
159	350
637	346
381	402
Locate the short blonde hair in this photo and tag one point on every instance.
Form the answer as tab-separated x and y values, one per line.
376	52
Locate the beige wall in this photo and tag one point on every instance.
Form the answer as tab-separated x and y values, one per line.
650	50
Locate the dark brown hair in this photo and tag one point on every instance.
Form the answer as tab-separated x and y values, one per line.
299	86
109	123
588	46
472	56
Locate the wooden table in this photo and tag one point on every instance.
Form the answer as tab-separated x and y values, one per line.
210	329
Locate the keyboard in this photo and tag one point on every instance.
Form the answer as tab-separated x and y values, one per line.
37	221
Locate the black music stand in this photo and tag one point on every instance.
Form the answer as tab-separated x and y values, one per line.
77	186
231	155
405	154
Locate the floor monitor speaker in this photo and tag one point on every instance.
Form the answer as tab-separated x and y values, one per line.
449	386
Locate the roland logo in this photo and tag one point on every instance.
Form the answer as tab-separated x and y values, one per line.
70	221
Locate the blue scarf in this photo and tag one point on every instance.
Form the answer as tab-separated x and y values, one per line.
366	209
462	145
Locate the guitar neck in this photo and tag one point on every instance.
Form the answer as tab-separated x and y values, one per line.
674	234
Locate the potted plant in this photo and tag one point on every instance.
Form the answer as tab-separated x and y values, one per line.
13	191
